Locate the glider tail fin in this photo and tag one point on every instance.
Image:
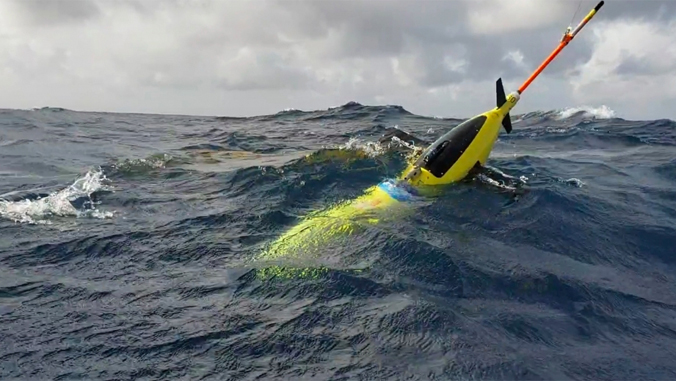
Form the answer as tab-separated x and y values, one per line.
501	100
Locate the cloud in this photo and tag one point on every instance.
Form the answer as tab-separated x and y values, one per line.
41	12
632	66
252	57
495	17
262	69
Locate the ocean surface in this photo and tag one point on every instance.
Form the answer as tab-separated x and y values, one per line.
127	247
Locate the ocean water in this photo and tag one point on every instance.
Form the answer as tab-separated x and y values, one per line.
126	246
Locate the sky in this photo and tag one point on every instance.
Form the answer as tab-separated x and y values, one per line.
254	57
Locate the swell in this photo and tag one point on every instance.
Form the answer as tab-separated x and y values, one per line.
569	275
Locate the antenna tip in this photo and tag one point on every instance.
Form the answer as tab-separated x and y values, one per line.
599	5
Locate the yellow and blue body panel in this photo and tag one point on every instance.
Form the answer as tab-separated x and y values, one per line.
316	229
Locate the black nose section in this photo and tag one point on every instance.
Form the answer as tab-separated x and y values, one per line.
447	150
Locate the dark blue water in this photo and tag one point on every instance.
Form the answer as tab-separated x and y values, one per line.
126	243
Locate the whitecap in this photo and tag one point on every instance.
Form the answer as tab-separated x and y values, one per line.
602	112
59	203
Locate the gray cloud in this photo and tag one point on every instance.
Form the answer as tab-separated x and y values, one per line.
632	66
438	57
368	28
51	12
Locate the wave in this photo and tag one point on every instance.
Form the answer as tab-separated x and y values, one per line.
76	200
79	199
568	114
355	110
50	109
602	112
565	242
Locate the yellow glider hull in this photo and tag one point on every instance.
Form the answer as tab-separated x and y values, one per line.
311	235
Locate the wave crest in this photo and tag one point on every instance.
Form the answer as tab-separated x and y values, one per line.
73	201
601	112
